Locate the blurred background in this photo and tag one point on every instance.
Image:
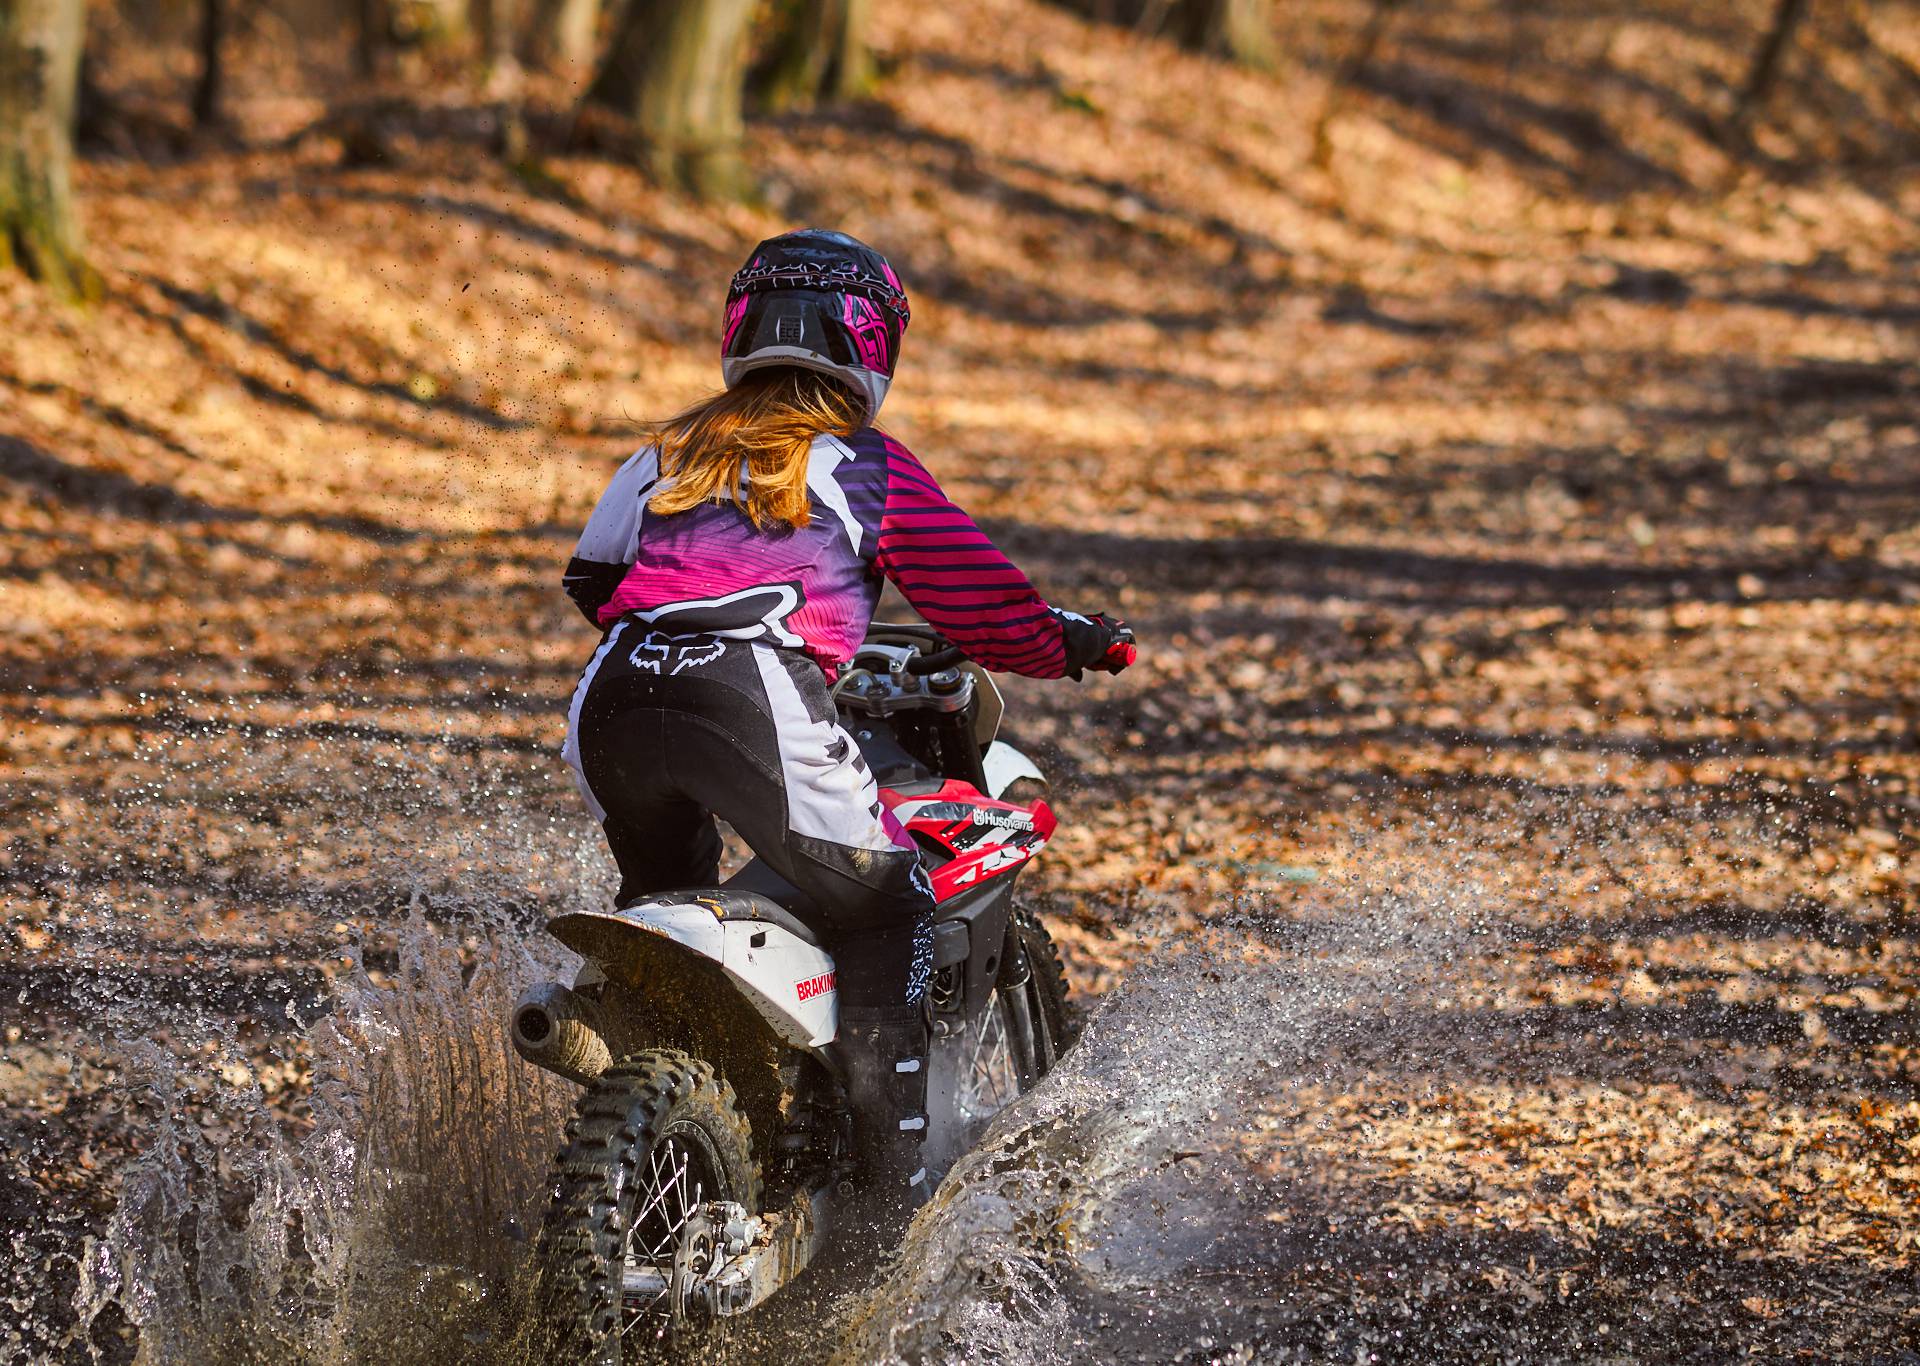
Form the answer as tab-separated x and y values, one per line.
1493	894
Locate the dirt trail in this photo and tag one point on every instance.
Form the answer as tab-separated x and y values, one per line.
1526	547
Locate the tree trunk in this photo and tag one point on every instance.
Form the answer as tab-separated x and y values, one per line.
1787	15
206	89
372	33
564	32
1378	21
40	43
678	68
496	24
819	52
1239	30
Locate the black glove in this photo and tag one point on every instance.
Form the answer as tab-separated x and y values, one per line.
1096	642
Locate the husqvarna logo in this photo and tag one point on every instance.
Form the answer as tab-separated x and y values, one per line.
814	986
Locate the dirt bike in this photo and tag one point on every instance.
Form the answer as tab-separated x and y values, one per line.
705	1164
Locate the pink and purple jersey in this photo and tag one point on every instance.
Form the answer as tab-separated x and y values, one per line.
877	513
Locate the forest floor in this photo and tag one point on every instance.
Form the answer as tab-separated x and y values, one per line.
1530	505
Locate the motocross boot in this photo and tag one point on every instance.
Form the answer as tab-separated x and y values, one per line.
885	1056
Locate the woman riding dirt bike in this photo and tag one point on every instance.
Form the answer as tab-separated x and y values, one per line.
734	565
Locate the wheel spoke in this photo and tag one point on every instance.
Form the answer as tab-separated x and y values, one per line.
668	1149
986	1079
630	1243
675	1179
668	1165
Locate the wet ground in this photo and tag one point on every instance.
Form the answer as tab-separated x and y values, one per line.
1492	897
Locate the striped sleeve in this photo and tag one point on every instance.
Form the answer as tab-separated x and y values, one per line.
954	577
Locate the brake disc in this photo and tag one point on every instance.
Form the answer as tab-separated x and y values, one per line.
695	1257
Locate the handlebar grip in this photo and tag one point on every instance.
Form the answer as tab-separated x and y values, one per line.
938	660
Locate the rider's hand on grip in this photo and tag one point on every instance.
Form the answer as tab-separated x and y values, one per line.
1096	642
1121	652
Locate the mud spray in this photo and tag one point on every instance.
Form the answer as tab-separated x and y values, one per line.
390	1219
394	1230
1146	1202
397	1226
398	1229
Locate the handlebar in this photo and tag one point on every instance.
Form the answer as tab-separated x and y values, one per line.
938	660
936	651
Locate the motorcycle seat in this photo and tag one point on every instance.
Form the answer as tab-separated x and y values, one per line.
787	902
730	902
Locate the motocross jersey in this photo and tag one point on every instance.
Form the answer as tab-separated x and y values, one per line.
877	514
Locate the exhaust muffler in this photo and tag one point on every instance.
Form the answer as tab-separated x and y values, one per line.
557	1028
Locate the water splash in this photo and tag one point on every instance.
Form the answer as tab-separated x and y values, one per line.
1219	1171
1428	1110
1075	1231
343	1161
396	1228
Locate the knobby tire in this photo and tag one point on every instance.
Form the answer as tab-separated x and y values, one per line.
610	1140
1047	991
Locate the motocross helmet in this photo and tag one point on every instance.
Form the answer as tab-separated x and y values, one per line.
820	300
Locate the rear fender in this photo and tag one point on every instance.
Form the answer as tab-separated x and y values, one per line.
789	982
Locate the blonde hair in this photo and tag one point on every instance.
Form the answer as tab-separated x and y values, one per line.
748	445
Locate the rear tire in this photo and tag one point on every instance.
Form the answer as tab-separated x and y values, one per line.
657	1136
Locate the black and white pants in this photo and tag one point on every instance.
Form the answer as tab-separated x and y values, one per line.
667	732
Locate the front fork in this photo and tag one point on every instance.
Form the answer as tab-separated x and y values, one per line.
1031	1048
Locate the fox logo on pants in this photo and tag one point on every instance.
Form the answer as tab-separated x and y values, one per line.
655	652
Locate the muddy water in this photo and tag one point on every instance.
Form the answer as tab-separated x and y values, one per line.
1118	1212
396	1229
1110	1213
338	1168
1189	1185
1090	1217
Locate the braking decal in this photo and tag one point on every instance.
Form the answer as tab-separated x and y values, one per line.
814	986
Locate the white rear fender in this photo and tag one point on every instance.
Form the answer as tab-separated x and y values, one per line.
789	981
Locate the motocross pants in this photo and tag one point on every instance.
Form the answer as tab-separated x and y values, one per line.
667	732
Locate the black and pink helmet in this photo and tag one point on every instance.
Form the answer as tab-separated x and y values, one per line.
820	300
